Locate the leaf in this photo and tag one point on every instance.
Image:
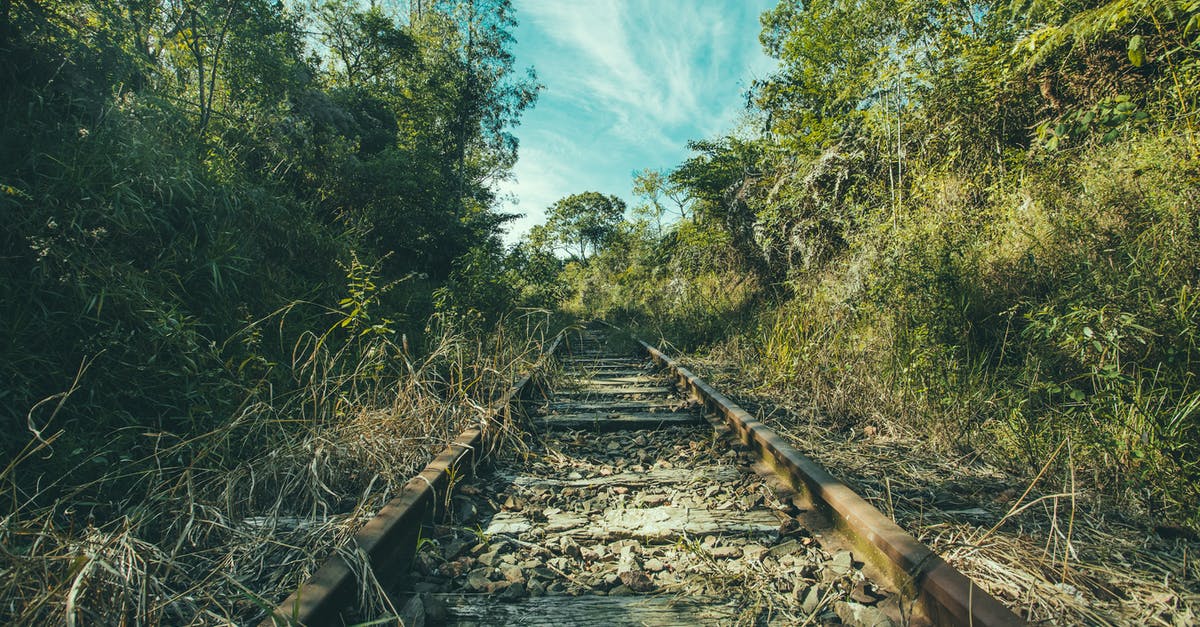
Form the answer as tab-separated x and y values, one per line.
1137	51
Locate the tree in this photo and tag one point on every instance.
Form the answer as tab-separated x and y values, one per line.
365	46
582	221
717	178
656	188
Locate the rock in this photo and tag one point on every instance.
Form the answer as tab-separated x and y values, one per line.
514	504
865	594
727	552
841	563
653	500
628	561
513	574
609	581
456	568
463	508
477	580
454	549
513	592
654	565
574	476
861	615
491	558
413	612
536	589
625	547
838	567
637	581
754	552
812	600
567	546
786	548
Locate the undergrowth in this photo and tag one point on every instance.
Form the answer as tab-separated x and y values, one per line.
221	525
1057	305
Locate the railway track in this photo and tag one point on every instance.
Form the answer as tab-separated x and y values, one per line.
639	496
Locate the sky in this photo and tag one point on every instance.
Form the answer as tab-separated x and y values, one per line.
627	84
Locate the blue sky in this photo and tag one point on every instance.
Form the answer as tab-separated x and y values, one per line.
628	83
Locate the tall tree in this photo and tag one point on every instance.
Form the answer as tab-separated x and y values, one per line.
657	189
583	221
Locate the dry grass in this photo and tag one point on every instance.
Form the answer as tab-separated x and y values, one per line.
1055	552
217	527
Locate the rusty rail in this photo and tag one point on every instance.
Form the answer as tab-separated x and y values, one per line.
388	541
946	596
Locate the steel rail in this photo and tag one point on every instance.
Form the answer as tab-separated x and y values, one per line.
388	541
944	595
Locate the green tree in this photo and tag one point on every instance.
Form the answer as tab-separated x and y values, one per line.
661	197
583	221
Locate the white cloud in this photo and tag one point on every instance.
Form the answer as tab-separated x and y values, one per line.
628	83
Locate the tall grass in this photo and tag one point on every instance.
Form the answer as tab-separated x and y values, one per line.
218	526
1058	305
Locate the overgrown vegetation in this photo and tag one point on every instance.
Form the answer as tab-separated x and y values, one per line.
253	273
972	221
253	276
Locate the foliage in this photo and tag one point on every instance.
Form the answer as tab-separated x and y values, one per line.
582	221
656	187
976	221
212	209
